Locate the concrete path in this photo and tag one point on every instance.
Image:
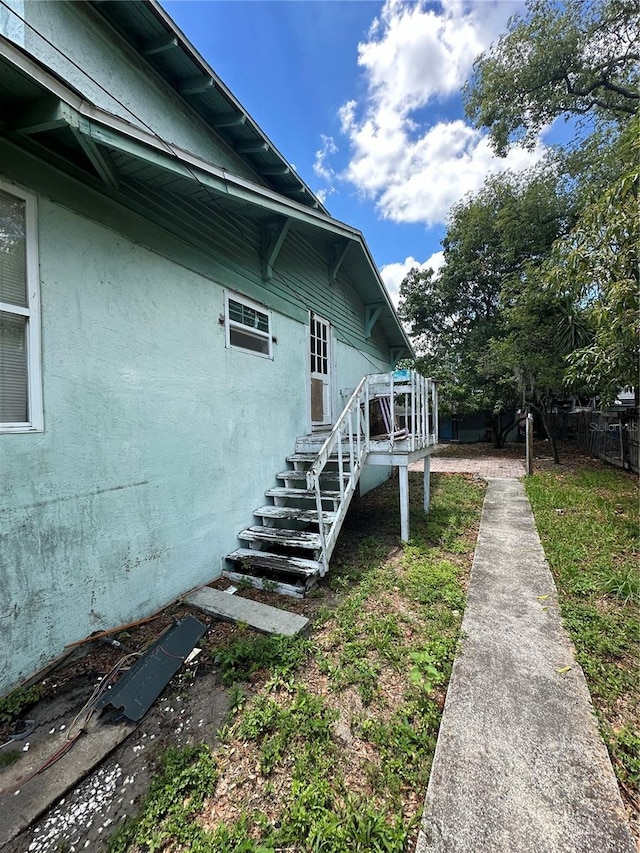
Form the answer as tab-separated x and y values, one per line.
487	467
519	766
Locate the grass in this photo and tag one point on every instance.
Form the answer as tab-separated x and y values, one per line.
177	793
588	523
330	746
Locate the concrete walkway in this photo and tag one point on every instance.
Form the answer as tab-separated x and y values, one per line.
519	766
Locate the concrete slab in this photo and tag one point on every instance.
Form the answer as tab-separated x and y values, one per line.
24	797
233	608
519	766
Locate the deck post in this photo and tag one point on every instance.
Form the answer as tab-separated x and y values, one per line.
427	483
403	474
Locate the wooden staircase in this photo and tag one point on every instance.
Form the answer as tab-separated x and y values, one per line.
291	547
285	552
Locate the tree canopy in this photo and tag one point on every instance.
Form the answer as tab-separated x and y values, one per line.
494	240
574	58
596	265
538	294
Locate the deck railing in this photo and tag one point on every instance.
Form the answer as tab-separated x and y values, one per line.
408	405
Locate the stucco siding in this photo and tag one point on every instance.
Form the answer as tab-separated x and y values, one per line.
156	445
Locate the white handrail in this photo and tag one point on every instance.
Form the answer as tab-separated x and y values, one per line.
350	441
357	450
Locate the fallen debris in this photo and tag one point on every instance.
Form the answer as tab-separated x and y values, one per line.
144	682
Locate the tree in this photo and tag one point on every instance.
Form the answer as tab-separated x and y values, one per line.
455	315
539	289
596	266
541	330
562	59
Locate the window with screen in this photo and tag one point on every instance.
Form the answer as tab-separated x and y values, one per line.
248	326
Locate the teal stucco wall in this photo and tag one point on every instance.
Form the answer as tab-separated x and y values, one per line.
158	441
156	444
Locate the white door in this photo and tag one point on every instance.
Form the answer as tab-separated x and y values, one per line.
320	352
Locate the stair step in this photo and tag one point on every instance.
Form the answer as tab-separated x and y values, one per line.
298	590
235	608
309	516
282	536
309	443
278	562
304	494
311	457
302	475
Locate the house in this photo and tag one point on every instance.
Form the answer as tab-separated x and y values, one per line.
181	319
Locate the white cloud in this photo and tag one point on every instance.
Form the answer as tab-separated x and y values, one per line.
393	274
416	55
323	170
320	166
447	162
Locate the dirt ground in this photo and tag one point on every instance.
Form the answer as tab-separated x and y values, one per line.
190	709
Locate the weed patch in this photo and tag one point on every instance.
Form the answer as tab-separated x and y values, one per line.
281	729
17	702
250	653
176	794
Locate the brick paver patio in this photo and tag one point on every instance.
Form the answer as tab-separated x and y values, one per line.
496	467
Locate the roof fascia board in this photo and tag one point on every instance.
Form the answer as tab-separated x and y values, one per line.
183	163
385	293
127	131
146	147
207	70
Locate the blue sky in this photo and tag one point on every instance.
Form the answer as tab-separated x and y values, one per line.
363	98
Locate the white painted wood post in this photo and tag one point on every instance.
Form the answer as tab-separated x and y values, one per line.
529	443
427	483
403	474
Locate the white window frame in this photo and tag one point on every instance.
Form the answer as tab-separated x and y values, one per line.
230	324
35	423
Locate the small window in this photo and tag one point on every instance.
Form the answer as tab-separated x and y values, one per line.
248	326
20	384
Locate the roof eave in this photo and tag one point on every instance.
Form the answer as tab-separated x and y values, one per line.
110	12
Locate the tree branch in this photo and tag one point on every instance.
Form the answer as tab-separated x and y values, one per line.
596	102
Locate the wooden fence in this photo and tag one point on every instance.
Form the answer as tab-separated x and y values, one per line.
610	435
